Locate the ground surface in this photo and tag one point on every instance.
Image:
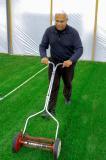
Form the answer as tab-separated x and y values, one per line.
82	124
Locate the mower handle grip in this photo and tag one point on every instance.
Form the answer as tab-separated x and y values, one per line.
49	62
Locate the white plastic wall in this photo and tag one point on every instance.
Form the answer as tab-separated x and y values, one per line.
100	54
31	18
3	27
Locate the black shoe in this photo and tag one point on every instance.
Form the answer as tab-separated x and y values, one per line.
46	115
53	113
67	101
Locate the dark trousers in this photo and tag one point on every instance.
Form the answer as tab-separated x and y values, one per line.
67	76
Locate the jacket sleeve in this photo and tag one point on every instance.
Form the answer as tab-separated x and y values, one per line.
78	48
44	45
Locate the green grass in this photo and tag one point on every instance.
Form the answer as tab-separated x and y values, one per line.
82	124
14	70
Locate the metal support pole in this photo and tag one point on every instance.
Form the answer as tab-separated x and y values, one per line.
9	26
51	11
95	30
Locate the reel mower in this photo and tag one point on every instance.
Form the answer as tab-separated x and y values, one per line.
23	139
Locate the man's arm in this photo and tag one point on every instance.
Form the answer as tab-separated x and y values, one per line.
44	45
78	49
42	48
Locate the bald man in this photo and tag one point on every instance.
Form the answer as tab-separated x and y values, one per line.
65	47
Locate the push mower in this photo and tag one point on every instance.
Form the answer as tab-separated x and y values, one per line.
23	139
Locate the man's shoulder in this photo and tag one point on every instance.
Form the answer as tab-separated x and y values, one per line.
50	29
72	29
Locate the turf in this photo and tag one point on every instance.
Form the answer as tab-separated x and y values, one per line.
82	124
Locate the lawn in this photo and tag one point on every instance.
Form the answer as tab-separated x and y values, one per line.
82	124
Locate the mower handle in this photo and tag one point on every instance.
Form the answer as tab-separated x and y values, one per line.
59	64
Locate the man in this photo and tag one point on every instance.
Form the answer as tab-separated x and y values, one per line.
66	48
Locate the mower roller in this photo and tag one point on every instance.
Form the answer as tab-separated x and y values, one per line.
23	139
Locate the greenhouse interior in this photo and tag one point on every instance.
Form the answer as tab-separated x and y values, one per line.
53	80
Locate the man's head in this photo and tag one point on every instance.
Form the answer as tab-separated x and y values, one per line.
61	20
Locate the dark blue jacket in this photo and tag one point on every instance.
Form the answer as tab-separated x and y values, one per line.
64	45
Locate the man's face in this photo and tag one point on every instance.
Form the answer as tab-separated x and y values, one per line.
60	21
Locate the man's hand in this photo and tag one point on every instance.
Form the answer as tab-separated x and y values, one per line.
44	60
67	63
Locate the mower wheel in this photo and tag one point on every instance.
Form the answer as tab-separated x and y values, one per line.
56	148
16	142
